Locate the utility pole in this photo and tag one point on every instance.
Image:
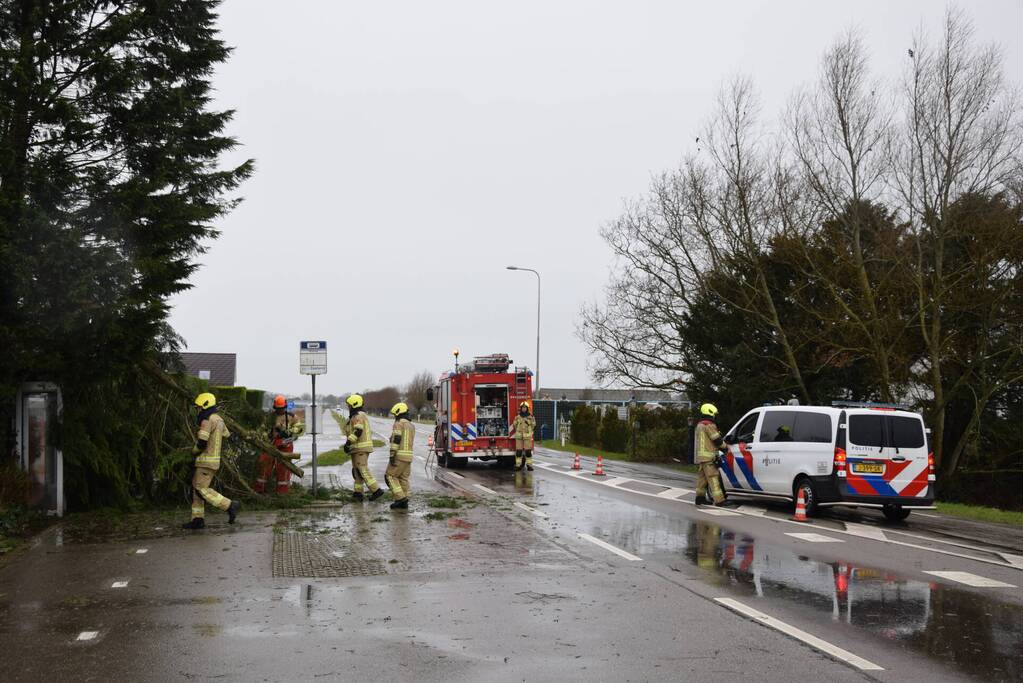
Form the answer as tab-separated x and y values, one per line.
536	370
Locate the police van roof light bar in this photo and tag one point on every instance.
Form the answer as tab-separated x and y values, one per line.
868	404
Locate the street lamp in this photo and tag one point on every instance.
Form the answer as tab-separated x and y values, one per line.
536	371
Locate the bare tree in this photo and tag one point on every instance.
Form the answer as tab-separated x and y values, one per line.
415	390
838	135
961	136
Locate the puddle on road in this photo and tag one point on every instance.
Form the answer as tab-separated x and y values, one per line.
967	630
960	628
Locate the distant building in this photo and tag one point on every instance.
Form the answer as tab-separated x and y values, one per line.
219	368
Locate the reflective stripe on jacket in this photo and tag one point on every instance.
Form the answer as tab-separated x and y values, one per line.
213	431
706	434
406	434
364	442
523	427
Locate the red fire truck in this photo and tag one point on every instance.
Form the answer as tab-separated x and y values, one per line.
476	405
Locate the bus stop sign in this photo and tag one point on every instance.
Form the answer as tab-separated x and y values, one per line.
312	358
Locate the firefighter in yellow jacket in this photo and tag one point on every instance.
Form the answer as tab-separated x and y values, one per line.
212	432
399	469
708	443
359	446
523	428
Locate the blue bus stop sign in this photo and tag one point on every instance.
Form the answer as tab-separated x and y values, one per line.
291	406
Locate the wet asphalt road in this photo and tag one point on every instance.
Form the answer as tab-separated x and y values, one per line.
544	575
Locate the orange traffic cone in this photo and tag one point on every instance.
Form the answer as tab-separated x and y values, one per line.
600	466
577	465
800	515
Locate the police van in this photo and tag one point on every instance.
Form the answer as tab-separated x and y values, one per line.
852	454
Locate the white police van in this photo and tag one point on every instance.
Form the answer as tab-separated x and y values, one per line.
853	454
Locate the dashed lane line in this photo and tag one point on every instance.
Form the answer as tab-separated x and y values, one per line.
119	584
87	635
793	632
969	579
142	551
530	510
858	531
611	548
814	538
717	512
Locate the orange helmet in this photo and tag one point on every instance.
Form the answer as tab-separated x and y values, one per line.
280	401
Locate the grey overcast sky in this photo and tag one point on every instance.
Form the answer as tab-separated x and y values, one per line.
408	151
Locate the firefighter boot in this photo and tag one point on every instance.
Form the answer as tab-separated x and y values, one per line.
376	494
529	460
701	499
357	496
520	460
196	523
400	504
232	511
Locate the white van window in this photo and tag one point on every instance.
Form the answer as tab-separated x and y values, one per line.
746	426
907	432
812	428
866	430
778	425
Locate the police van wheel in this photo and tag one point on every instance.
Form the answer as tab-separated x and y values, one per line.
895	513
809	495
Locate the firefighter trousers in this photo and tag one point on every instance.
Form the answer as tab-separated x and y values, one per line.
523	454
267	466
709	477
398	477
202	493
361	474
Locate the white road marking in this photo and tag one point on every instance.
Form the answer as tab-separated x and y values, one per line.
751	511
142	551
864	531
673	493
611	548
717	512
971	579
1014	560
859	532
789	630
483	488
119	584
814	538
87	635
531	510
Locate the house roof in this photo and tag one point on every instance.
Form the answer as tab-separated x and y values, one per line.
222	367
611	395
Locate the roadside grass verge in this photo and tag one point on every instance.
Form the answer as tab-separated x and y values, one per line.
555	445
981	513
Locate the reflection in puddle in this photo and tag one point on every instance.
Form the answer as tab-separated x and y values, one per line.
976	633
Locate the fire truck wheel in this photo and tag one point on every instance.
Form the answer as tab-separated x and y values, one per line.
457	463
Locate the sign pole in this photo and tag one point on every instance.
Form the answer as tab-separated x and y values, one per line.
314	436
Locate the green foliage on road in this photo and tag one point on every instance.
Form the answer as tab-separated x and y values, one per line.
331	458
981	513
113	178
342	422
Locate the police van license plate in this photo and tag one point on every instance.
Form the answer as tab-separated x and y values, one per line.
868	467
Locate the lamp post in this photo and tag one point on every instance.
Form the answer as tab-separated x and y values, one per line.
536	372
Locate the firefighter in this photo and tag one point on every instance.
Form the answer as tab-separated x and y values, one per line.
212	432
523	428
283	429
359	446
708	442
399	469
